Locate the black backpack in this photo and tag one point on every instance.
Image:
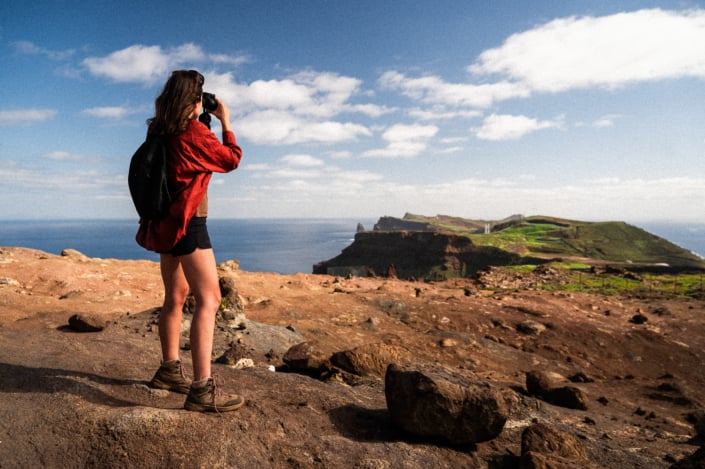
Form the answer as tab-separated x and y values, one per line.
147	179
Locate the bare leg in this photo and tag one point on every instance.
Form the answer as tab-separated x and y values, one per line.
176	290
200	272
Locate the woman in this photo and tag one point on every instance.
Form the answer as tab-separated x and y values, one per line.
187	261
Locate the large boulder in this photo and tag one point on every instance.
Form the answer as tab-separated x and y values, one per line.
437	405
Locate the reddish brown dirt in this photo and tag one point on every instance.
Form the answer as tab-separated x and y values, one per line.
70	399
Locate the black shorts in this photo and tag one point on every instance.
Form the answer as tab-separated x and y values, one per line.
196	237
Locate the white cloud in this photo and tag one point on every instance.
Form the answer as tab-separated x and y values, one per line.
255	167
58	182
301	176
302	160
372	110
134	64
509	127
62	156
294	173
442	114
434	90
608	51
25	116
152	64
108	112
225	59
314	94
606	121
404	141
29	48
340	155
284	128
300	108
569	53
361	194
276	94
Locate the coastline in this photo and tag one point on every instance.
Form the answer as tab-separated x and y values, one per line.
281	245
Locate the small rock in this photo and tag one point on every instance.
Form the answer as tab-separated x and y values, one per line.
231	300
9	281
370	359
538	384
638	319
73	253
662	311
531	327
543	446
235	353
305	357
229	266
568	396
243	363
85	323
448	343
580	377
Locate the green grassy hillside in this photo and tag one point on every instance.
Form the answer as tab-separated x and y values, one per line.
550	237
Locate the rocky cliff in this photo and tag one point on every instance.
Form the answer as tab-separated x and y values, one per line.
416	254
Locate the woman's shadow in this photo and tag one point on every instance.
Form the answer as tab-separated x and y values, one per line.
24	379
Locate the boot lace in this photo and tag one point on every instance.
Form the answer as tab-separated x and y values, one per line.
215	392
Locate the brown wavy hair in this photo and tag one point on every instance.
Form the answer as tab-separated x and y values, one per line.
175	105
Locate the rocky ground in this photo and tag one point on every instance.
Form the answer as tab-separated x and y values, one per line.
72	399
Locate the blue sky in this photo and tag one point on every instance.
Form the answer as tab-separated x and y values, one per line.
590	110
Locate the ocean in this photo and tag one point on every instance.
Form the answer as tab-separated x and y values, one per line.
285	246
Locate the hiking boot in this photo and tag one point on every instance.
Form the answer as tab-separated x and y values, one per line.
171	376
209	399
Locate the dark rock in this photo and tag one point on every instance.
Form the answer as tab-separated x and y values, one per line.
233	354
662	311
699	423
370	359
638	319
439	405
531	327
539	384
230	297
694	461
306	358
543	446
580	377
567	396
86	323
